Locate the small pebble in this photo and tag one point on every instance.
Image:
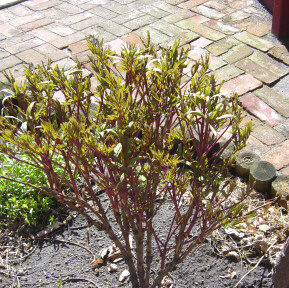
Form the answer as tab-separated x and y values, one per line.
123	276
112	268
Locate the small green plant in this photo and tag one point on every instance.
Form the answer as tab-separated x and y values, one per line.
148	136
19	203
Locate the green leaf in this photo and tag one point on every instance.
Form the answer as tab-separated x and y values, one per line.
117	149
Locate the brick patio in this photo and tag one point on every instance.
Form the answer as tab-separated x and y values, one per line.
235	33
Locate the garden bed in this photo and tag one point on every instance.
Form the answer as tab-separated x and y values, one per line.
63	258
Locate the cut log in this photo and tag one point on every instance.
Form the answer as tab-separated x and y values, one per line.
244	162
262	174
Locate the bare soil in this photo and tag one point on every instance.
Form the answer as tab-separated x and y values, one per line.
63	259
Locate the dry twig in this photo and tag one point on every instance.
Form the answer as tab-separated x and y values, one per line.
257	264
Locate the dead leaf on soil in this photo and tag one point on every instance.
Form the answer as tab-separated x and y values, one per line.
96	263
230	274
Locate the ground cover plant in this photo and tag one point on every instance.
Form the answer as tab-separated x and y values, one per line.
20	205
148	134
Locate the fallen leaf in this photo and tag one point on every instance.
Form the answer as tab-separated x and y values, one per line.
230	274
97	263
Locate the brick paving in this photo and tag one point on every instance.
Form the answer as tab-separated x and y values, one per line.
235	33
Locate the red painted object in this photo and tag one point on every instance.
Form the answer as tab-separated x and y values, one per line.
269	4
280	10
280	25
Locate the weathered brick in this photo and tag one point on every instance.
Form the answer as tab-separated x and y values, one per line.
65	64
214	62
227	73
117	7
208	12
267	135
240	85
121	1
201	42
32	56
80	2
237	53
176	17
265	61
189	22
99	32
274	100
154	11
167	28
39	6
156	36
219	6
104	13
281	53
6	16
260	109
45	34
92	4
245	24
24	45
254	41
69	20
25	19
60	29
222	46
254	11
191	3
139	4
67	40
17	71
128	16
53	13
184	37
256	146
239	4
167	7
257	71
283	128
114	28
51	52
221	27
69	8
83	57
249	118
8	30
20	10
260	29
9	61
175	2
116	45
133	38
3	53
36	24
140	22
15	40
78	47
205	31
92	21
278	156
235	16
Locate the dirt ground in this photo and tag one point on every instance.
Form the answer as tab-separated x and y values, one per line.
51	262
63	258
